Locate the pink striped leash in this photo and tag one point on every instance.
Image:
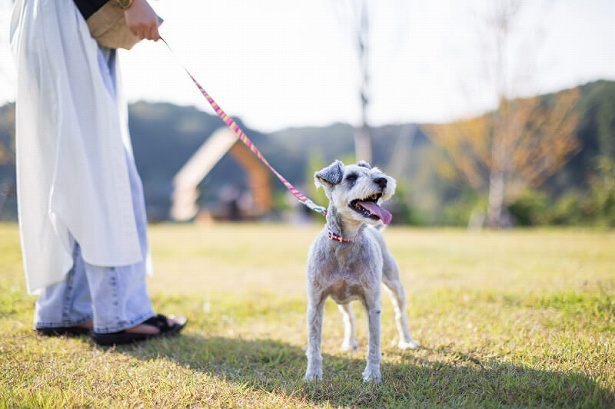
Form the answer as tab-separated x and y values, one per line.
230	122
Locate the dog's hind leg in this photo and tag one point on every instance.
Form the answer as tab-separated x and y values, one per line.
315	314
350	340
372	369
398	297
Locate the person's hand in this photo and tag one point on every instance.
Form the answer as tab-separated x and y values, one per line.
142	21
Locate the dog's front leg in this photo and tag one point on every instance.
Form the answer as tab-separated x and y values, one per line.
372	369
315	314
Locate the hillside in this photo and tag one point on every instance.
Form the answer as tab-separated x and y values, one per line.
166	135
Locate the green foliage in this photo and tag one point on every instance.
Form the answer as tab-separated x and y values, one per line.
571	209
464	209
532	208
404	213
596	207
602	193
599	117
316	162
7	135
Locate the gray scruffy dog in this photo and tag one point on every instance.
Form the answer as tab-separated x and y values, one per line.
348	260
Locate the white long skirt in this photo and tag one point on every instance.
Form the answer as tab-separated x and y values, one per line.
72	133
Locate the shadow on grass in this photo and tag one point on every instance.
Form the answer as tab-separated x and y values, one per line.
427	377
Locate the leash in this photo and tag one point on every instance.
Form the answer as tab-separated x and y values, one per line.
230	122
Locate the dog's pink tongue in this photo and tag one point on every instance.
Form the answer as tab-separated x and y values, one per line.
374	209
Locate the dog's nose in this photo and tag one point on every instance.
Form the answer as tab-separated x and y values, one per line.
382	182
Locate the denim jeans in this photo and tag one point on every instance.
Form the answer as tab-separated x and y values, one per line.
114	298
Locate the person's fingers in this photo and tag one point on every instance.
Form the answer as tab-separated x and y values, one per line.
154	33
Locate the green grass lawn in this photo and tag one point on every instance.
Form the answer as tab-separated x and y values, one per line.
506	319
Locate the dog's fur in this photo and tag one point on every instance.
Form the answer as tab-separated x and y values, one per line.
353	270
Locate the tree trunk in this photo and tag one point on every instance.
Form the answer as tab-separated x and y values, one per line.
363	144
496	199
363	137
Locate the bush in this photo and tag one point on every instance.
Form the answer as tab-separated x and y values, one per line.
602	194
532	208
467	209
595	207
570	209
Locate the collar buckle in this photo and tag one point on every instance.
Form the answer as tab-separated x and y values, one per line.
337	237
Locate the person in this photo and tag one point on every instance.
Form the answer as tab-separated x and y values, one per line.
80	200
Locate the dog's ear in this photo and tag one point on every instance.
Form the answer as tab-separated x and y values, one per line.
364	164
329	176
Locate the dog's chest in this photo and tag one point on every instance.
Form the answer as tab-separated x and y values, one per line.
345	288
347	274
344	271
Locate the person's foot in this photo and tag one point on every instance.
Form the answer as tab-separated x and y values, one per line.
155	327
144	328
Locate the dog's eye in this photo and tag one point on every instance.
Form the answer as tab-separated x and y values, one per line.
352	177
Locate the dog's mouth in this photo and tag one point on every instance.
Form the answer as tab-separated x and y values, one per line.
369	208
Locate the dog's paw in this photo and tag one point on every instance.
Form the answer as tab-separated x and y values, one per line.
349	346
371	375
312	376
408	344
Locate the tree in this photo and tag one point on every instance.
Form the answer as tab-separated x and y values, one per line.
357	18
518	146
359	25
521	142
7	134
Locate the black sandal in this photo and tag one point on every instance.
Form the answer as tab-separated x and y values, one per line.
123	337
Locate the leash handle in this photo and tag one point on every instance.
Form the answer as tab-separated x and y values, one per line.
230	122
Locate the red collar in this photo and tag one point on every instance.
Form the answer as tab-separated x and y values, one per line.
339	238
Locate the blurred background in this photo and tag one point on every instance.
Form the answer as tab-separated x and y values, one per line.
488	113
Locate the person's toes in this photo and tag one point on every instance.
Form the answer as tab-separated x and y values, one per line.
179	320
150	329
143	329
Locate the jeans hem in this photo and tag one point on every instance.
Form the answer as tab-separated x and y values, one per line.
62	324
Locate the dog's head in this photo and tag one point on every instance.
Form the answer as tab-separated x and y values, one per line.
357	191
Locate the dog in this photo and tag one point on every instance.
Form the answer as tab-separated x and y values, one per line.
349	260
